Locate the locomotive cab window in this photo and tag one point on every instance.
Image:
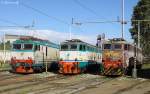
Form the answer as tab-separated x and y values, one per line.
28	46
88	48
107	46
82	48
117	46
73	47
17	46
64	47
126	47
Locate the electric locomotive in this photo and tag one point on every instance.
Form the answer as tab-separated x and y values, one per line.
118	57
77	56
33	55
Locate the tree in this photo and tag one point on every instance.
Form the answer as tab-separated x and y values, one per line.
142	12
7	46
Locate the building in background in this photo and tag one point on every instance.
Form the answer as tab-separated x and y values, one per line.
11	38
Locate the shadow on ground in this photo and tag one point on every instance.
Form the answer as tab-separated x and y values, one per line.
144	73
94	69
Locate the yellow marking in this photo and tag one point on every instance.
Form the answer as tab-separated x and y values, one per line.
115	54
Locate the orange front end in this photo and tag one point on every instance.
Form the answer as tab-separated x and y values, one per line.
68	67
113	67
22	66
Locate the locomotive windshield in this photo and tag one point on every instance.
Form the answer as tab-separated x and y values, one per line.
28	46
64	47
17	46
117	46
73	47
107	46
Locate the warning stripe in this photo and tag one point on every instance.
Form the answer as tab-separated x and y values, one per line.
107	71
112	71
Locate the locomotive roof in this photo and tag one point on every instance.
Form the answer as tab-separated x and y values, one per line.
117	40
77	41
36	41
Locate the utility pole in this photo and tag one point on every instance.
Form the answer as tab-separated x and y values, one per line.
122	22
134	71
70	29
137	46
4	47
46	53
138	34
122	33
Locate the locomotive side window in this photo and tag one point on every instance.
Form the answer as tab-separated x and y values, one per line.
126	47
117	46
17	46
73	47
64	47
28	46
88	48
82	48
46	50
37	47
107	46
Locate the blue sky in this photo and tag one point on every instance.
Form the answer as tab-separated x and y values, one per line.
14	11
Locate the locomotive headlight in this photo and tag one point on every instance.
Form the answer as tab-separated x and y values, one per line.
61	59
119	60
103	60
29	57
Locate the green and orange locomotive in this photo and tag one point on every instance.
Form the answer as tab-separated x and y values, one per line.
31	55
78	56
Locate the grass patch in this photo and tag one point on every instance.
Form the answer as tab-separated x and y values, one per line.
4	66
146	66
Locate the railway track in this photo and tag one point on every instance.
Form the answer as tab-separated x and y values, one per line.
3	70
75	87
28	83
130	87
4	76
10	78
67	88
59	84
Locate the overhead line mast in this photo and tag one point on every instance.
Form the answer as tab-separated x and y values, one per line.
122	22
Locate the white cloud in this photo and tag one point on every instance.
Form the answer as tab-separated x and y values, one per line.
51	35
